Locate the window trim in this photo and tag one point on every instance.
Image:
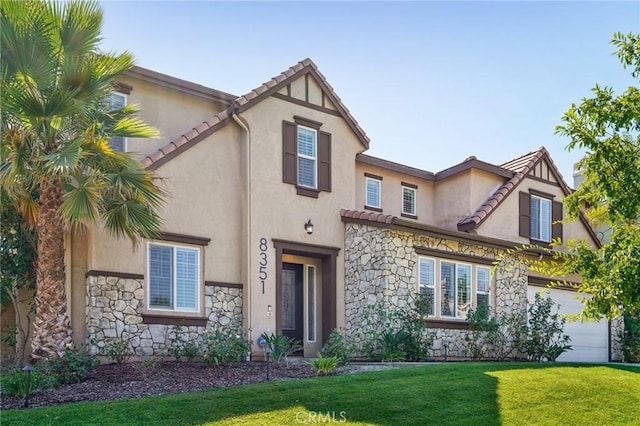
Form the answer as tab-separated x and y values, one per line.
437	303
433	286
414	191
198	289
477	291
368	179
307	157
125	103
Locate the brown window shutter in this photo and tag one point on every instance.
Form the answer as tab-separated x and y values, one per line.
289	153
525	214
324	161
556	215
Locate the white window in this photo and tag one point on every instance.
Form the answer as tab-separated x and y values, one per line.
307	157
373	193
426	281
117	101
483	284
540	218
453	288
174	275
408	201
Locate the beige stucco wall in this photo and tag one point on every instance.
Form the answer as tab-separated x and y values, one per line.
451	202
279	213
76	283
391	190
171	111
205	185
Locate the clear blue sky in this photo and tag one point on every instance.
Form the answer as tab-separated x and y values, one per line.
430	82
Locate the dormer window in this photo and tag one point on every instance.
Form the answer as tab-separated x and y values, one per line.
540	217
306	156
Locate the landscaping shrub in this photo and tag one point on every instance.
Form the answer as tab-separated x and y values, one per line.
397	335
337	347
182	346
545	338
14	382
281	346
324	365
630	338
225	345
501	338
118	349
73	366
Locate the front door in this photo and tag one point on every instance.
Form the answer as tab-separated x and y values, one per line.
292	301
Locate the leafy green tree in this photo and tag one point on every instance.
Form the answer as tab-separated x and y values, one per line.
608	127
56	123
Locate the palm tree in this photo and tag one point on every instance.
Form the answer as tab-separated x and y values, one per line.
56	163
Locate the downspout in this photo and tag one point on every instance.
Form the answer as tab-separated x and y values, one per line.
247	290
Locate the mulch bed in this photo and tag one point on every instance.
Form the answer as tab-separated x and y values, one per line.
133	380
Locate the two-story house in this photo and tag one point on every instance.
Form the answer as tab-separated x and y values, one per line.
277	221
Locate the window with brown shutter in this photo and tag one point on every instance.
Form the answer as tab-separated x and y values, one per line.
290	157
538	216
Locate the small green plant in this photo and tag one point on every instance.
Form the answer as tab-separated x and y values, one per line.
392	345
225	345
281	346
118	349
324	365
545	339
337	347
73	366
183	347
14	382
630	338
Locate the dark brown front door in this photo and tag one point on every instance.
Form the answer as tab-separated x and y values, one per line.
292	301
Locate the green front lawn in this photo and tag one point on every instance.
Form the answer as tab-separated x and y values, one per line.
447	394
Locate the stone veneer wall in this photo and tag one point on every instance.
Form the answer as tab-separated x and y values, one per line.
617	327
380	269
114	309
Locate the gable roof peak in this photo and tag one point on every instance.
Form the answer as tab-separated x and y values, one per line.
246	101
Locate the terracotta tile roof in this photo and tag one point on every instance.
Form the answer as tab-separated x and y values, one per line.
521	166
368	216
245	102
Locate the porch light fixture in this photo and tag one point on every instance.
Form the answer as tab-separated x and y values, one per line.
308	227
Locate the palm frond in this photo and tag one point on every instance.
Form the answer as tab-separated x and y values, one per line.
82	201
65	159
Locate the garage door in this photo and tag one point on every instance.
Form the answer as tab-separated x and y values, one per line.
590	340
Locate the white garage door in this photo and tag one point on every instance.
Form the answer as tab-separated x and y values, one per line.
590	340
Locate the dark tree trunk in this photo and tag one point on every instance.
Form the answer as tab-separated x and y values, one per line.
52	328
